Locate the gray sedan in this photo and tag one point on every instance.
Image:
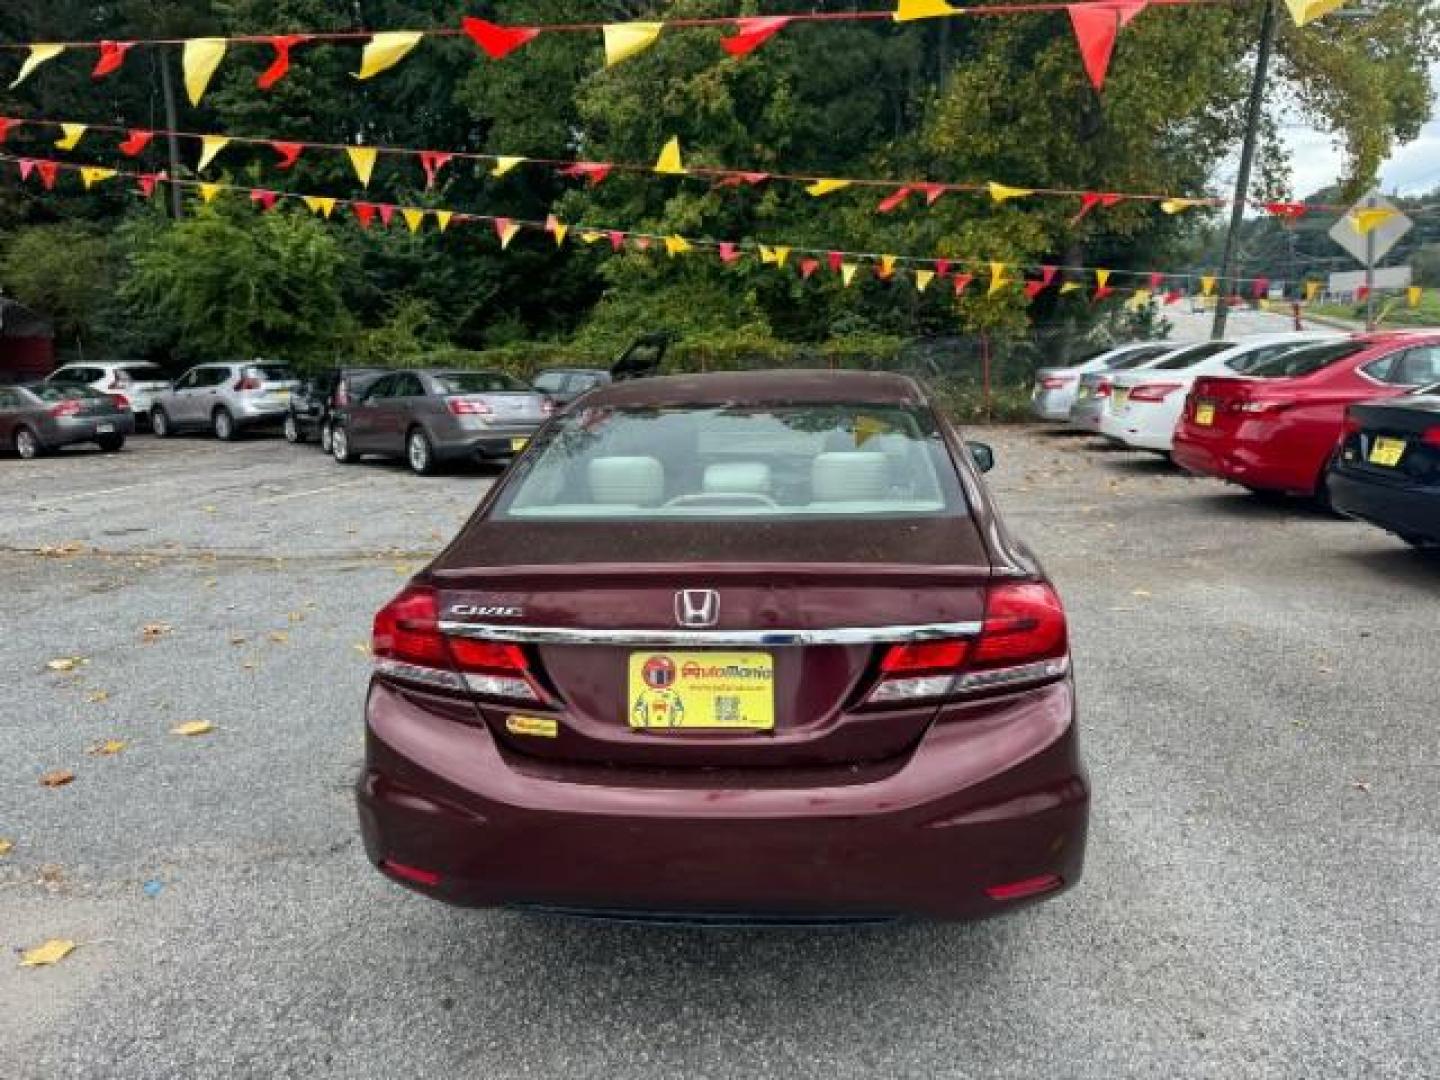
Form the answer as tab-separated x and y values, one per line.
431	417
39	417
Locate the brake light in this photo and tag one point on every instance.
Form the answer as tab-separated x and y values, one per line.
1154	391
1102	388
1018	890
465	407
1259	408
118	381
1431	437
413	874
408	645
1024	641
69	407
121	401
342	396
248	382
547	406
1056	382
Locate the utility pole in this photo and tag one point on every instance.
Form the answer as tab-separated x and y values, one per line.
172	122
1253	110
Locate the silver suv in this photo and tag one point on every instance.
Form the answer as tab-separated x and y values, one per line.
224	398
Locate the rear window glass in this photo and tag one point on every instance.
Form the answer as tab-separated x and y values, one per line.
737	462
1303	361
269	372
1138	357
144	372
1192	356
50	392
477	382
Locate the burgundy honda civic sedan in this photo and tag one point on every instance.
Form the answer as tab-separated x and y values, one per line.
731	648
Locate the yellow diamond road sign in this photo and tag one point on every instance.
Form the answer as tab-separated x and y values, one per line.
1370	229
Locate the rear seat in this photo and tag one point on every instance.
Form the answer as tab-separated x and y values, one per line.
627	481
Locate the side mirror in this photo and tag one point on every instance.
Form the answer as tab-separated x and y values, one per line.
983	455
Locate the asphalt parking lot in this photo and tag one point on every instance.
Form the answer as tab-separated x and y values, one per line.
1258	686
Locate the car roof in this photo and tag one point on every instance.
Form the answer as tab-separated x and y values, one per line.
790	387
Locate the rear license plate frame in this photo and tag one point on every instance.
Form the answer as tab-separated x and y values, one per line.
1387	452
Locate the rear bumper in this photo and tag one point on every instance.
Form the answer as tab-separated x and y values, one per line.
1240	462
64	431
490	445
1133	432
1404	509
992	799
1086	414
1052	404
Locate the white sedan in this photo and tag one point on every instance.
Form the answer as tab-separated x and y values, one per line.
1144	406
1055	386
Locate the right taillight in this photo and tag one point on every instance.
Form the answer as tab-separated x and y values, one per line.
1431	437
408	645
1102	388
68	407
1024	641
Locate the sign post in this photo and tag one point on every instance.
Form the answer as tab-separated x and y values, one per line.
1368	231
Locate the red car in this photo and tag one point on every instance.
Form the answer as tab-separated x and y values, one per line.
742	647
1276	427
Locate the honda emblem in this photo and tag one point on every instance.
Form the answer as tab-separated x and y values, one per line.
697	607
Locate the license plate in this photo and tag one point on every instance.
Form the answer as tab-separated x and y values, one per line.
1387	452
280	395
104	429
1205	414
721	690
1120	398
516	445
1085	392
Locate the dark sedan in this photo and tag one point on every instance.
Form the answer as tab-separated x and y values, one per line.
1388	469
431	417
745	647
38	417
314	402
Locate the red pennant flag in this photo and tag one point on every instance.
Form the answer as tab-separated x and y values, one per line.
1156	280
942	267
48	170
289	153
1290	211
1261	288
592	171
136	143
808	268
147	182
1091	199
264	199
387	214
364	213
962	282
1101	292
432	161
280	66
1173	296
1035	288
26	168
617	240
643	243
728	252
6	124
498	42
895	201
752	33
1096	27
932	192
736	179
112	55
836	259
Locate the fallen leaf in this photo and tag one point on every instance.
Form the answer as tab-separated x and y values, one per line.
98	697
52	952
362	647
238	640
154	631
1360	785
1141	592
210	583
6	846
194	727
59	551
297	616
209	509
66	663
279	637
108	748
51	874
57	778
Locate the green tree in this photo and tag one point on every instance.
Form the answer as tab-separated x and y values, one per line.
66	271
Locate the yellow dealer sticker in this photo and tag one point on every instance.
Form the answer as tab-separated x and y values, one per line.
725	690
538	727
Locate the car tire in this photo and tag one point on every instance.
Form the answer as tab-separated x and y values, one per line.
224	425
28	445
160	424
325	432
111	444
293	434
340	447
419	453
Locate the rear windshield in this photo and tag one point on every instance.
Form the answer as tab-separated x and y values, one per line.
269	372
1248	361
1138	357
1190	357
144	372
736	462
1304	361
477	382
50	392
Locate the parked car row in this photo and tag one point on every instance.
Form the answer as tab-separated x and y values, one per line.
1350	420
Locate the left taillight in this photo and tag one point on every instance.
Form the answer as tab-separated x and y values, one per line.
68	407
1056	382
1431	437
1024	641
408	645
1154	391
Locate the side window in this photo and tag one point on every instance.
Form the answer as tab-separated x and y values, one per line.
8	400
408	386
188	381
67	377
581	383
1381	369
381	390
216	376
550	382
1419	367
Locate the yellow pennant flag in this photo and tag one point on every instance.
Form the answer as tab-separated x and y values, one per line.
1207	284
1412	296
557	229
1312	289
1371	218
507	231
93	174
821	188
1069	286
200	60
781	255
1304	11
320	204
847	273
413	218
998	280
363	159
910	10
1263	303
669	162
38	55
767	255
887	265
1139	299
210	146
676	245
208	192
384	51
1003	192
1177	206
504	165
624	40
923	278
1102	278
592	236
73	133
443	218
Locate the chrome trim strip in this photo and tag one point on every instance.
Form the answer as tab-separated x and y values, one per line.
849	635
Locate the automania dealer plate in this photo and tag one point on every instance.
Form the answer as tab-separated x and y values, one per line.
1387	452
720	690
